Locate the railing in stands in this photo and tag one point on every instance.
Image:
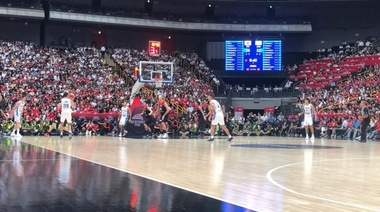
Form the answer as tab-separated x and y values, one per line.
128	79
347	100
296	84
130	82
348	78
186	64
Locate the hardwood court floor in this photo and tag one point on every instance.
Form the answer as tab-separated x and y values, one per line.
265	174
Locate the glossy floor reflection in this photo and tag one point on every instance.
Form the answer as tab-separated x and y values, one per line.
36	179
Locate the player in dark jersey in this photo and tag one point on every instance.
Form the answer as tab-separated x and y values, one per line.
164	110
147	113
206	111
202	111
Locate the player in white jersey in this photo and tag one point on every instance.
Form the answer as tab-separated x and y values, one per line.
216	117
66	106
125	115
16	112
308	111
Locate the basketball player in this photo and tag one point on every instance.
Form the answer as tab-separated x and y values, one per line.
17	114
202	111
308	111
66	106
147	112
164	110
125	115
216	118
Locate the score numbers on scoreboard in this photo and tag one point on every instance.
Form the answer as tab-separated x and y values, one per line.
154	48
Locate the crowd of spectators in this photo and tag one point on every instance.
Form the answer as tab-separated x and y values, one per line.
337	104
47	74
336	64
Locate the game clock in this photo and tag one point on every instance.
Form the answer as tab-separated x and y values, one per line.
154	48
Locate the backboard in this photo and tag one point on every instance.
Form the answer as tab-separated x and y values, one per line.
148	71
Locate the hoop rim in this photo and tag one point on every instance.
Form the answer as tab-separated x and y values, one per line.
158	80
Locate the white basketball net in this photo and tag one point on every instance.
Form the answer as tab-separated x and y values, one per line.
158	82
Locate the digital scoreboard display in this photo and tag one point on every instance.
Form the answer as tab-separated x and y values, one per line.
253	55
154	48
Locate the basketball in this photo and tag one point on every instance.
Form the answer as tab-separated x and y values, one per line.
71	96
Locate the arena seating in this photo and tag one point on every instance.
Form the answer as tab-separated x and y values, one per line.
48	73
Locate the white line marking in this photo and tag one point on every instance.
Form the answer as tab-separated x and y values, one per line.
270	178
146	177
27	160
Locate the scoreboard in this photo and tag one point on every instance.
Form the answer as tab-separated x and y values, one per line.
253	55
154	48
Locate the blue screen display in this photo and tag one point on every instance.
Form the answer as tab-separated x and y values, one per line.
253	55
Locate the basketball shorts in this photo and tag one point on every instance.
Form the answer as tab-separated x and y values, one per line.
164	120
308	121
149	120
123	121
17	117
218	118
66	116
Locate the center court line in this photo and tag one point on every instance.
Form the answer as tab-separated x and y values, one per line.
146	177
270	178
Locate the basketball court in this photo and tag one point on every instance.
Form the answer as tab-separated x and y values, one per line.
104	173
250	173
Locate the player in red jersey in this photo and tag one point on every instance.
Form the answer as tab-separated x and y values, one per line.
147	113
202	111
164	111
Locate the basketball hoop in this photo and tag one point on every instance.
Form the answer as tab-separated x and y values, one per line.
158	82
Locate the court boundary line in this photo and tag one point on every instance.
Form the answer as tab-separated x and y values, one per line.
28	160
146	177
270	179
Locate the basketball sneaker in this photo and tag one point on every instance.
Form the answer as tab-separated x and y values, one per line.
210	139
13	134
230	139
165	136
307	137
